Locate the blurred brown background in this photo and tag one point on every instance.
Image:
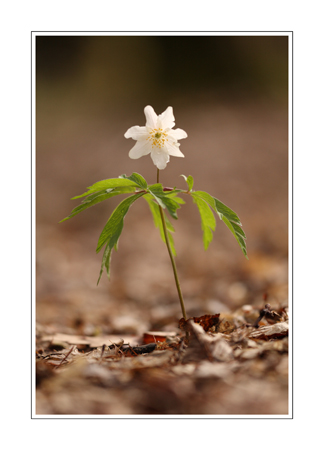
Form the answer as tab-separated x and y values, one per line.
230	94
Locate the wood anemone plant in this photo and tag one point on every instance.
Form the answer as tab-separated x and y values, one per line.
160	140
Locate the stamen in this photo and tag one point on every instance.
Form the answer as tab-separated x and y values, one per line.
157	137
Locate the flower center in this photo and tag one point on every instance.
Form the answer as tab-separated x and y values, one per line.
157	138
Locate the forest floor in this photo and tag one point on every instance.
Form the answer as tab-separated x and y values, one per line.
116	348
233	364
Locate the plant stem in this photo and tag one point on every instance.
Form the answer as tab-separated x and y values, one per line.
171	256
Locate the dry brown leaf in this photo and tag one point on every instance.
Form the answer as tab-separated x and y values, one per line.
157	336
277	330
91	341
208	369
202	345
209	322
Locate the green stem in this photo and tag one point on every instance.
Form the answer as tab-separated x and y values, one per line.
171	256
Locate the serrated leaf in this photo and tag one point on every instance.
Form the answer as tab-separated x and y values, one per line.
98	197
105	262
112	230
231	219
237	236
226	211
207	197
174	196
208	221
171	205
113	227
156	187
189	181
111	183
227	215
238	230
156	191
136	178
155	210
164	199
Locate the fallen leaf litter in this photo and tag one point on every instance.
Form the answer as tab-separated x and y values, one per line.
223	351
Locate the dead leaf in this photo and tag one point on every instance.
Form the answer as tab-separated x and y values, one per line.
91	341
208	369
202	345
277	330
209	322
157	336
225	327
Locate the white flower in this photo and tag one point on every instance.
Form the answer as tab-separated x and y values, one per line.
156	137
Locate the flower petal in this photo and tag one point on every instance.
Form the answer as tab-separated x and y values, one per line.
177	134
151	117
137	133
173	149
167	118
160	158
141	148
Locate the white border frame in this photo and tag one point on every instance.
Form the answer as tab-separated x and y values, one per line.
34	34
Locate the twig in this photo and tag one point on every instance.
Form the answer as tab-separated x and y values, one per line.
118	348
268	314
102	352
66	356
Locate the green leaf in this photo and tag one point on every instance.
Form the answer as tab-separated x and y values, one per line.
179	200
158	221
156	188
189	180
156	191
111	183
224	210
164	199
174	196
105	262
114	226
207	197
208	221
98	197
237	235
112	230
136	178
171	205
228	216
238	230
231	219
